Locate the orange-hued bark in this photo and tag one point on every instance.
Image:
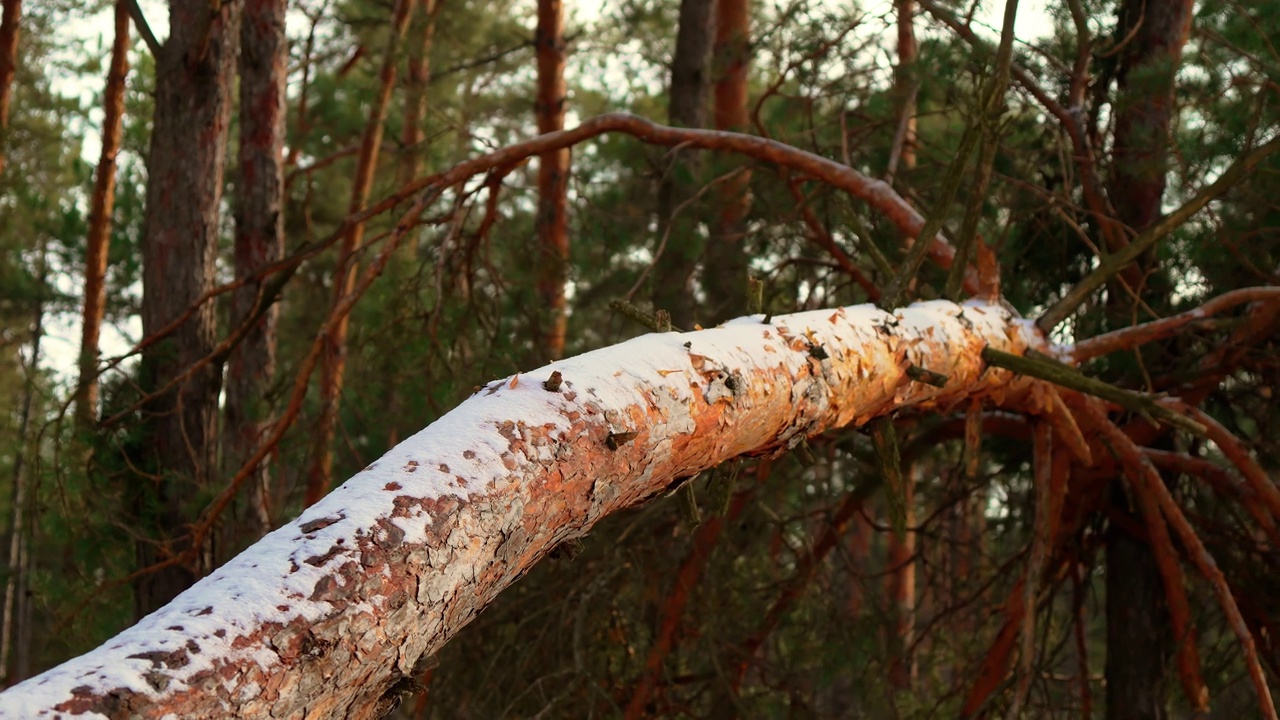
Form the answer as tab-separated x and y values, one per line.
724	272
553	182
900	586
8	66
98	241
334	359
348	597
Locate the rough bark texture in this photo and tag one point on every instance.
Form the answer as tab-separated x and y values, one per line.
553	182
678	220
324	616
8	66
334	367
195	70
725	261
1155	32
259	241
1138	644
98	240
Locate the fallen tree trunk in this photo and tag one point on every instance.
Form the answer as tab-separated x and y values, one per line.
326	616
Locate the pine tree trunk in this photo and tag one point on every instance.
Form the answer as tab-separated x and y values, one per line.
678	214
901	580
1139	646
195	71
417	78
333	372
350	597
18	563
12	15
259	241
724	272
900	583
553	182
98	242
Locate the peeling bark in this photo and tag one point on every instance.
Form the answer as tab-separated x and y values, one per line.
324	616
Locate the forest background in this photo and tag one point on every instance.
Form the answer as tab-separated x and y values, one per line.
824	582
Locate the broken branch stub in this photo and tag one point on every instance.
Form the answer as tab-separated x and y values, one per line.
326	615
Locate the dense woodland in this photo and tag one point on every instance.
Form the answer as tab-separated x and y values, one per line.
315	226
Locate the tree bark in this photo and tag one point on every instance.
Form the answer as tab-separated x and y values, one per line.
724	272
195	70
259	241
900	584
17	564
1138	644
679	244
553	182
417	78
98	242
12	15
333	372
324	616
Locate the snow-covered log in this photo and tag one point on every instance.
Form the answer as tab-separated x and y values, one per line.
324	617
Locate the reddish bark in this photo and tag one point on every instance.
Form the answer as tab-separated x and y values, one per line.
98	241
259	241
900	587
195	70
903	151
8	66
553	182
334	358
725	259
360	587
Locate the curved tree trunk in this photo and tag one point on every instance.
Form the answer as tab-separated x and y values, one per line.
326	615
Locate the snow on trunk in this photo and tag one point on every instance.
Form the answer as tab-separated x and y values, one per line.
325	616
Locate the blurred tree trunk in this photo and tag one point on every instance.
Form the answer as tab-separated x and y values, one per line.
1139	646
553	182
678	216
417	78
264	53
98	242
320	477
16	606
724	271
8	65
195	73
900	583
